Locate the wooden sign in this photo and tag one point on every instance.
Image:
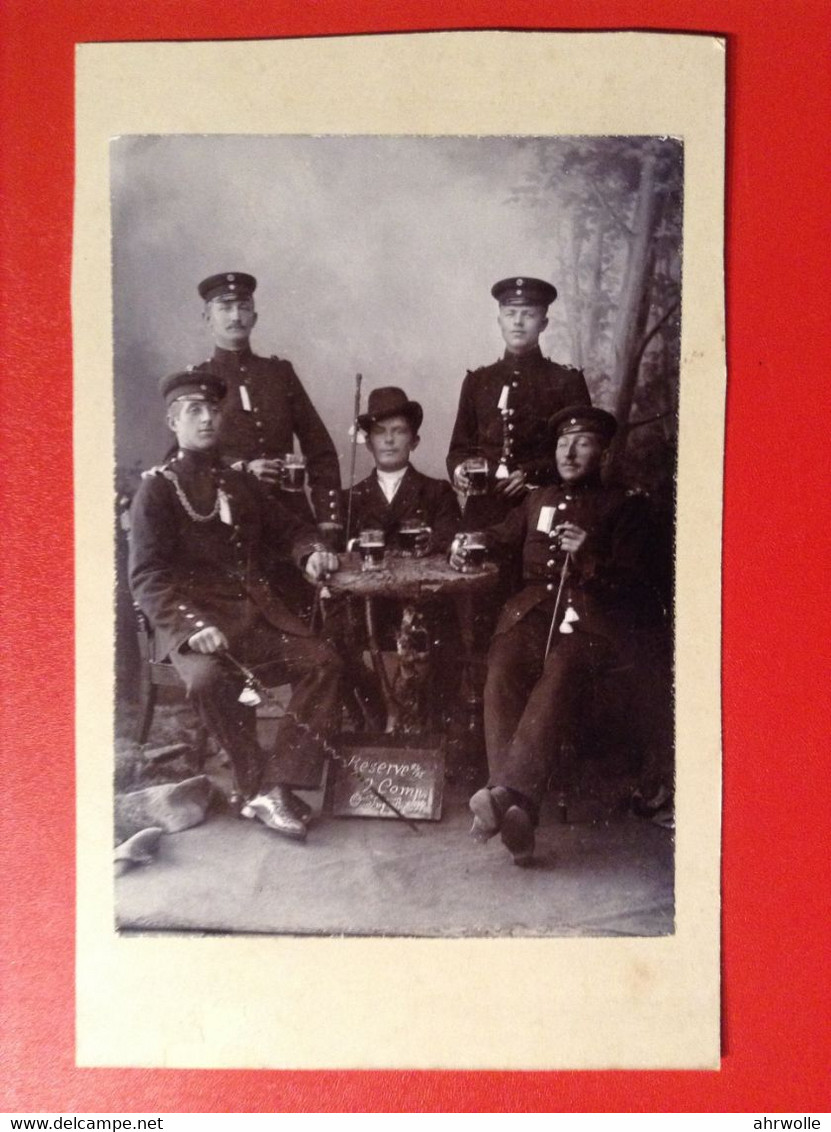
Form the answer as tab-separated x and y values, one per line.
408	770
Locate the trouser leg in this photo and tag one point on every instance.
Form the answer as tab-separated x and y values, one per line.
314	670
514	665
214	691
550	712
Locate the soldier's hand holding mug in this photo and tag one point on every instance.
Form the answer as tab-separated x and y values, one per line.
471	476
468	552
269	471
320	564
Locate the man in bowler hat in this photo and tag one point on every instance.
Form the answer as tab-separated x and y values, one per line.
392	495
585	551
199	530
395	491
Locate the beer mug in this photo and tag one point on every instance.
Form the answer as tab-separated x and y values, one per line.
294	472
414	538
370	544
471	548
476	470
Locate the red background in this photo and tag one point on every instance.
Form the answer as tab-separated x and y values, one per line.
776	842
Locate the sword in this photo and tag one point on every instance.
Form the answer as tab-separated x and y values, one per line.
563	574
257	684
356	411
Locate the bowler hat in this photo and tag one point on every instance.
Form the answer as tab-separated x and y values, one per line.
192	383
390	401
228	285
522	289
583	418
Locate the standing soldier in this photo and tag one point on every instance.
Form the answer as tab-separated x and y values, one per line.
266	405
503	408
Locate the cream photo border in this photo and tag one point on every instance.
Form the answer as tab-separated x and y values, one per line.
309	1002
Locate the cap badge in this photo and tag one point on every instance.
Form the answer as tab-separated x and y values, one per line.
520	282
231	277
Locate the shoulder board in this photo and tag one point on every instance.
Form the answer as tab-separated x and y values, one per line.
482	369
156	470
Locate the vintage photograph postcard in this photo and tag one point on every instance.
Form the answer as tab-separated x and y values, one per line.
399	387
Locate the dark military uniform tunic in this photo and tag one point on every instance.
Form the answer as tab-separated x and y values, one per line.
198	535
265	408
531	703
537	388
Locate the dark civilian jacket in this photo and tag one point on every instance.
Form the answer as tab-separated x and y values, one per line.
418	497
187	573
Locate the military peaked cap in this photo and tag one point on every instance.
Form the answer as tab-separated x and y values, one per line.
196	384
583	418
521	289
389	401
228	285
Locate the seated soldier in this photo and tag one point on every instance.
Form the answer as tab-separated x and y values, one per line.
584	554
199	530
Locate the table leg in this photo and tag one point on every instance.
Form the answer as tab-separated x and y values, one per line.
468	689
378	664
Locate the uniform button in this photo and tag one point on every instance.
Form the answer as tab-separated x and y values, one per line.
514	384
181	608
510	428
550	562
561	506
200	624
569	498
550	587
189	616
243	369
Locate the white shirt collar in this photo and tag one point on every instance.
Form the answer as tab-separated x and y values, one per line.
390	481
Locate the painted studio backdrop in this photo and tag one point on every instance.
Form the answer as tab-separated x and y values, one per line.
377	254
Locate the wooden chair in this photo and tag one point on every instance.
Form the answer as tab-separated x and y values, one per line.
157	674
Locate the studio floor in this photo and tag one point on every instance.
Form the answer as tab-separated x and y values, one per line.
371	876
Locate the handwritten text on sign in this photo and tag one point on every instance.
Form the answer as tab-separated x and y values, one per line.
412	779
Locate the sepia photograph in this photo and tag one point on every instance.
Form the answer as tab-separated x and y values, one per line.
398	442
396	429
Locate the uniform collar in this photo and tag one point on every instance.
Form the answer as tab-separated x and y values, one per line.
190	460
232	356
591	483
523	361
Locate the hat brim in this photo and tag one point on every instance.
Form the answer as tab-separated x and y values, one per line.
412	411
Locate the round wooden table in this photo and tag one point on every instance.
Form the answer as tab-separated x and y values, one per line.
413	581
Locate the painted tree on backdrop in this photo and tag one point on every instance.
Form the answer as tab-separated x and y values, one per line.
614	208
